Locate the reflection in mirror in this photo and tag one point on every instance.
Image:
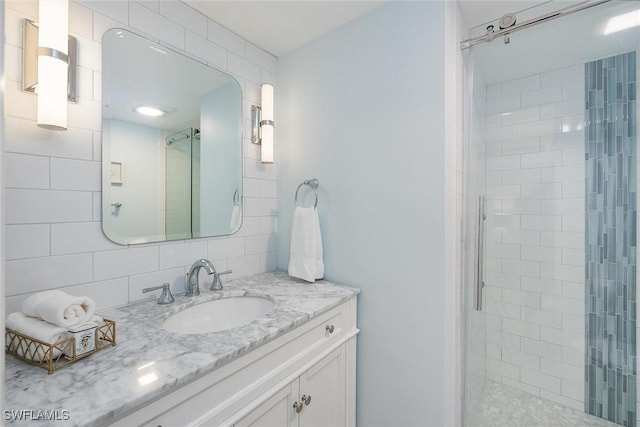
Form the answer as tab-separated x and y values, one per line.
171	144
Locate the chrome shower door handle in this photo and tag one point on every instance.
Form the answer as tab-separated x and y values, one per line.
479	283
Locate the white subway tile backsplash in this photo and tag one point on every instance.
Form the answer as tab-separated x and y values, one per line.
117	10
125	262
54	199
156	26
185	16
15	165
244	68
225	38
541	191
226	248
68	174
79	237
246	265
182	254
36	274
526	268
106	294
263	59
202	48
538	379
26	241
46	206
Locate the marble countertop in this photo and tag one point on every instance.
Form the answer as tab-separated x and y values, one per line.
106	385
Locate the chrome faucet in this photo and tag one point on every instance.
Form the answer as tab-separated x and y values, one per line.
191	287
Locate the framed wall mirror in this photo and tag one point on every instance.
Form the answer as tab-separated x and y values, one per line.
171	144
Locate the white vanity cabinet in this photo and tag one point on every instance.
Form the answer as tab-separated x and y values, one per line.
315	398
311	368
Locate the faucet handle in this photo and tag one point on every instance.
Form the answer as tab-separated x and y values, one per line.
165	297
216	285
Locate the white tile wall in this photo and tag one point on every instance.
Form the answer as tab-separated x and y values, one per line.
536	234
53	232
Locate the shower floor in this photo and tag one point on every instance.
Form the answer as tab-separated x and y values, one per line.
505	406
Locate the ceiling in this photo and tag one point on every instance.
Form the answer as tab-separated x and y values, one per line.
281	26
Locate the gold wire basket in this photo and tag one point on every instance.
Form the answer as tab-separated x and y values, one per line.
54	356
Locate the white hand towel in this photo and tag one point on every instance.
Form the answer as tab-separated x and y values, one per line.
305	260
59	308
34	328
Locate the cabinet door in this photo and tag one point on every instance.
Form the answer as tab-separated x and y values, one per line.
277	411
323	387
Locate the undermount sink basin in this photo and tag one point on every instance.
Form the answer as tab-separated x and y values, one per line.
218	315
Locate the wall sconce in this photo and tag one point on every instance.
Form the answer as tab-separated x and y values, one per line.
262	124
49	63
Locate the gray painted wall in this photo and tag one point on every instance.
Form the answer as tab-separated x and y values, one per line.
362	110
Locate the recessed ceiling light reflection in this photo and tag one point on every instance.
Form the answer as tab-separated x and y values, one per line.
623	22
145	110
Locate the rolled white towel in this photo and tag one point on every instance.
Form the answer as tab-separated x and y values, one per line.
34	328
59	308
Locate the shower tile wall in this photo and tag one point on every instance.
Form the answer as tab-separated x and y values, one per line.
535	294
53	190
535	234
611	246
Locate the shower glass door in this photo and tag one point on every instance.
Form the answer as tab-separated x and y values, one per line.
550	220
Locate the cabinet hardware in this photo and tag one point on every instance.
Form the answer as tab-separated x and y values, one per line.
306	399
298	407
330	328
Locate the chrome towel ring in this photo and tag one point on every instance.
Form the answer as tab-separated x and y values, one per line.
313	183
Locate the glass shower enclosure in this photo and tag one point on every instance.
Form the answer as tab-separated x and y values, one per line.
550	218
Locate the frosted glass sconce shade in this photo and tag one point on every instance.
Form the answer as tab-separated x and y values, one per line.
49	63
262	124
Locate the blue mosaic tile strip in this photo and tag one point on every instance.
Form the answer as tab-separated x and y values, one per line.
610	238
